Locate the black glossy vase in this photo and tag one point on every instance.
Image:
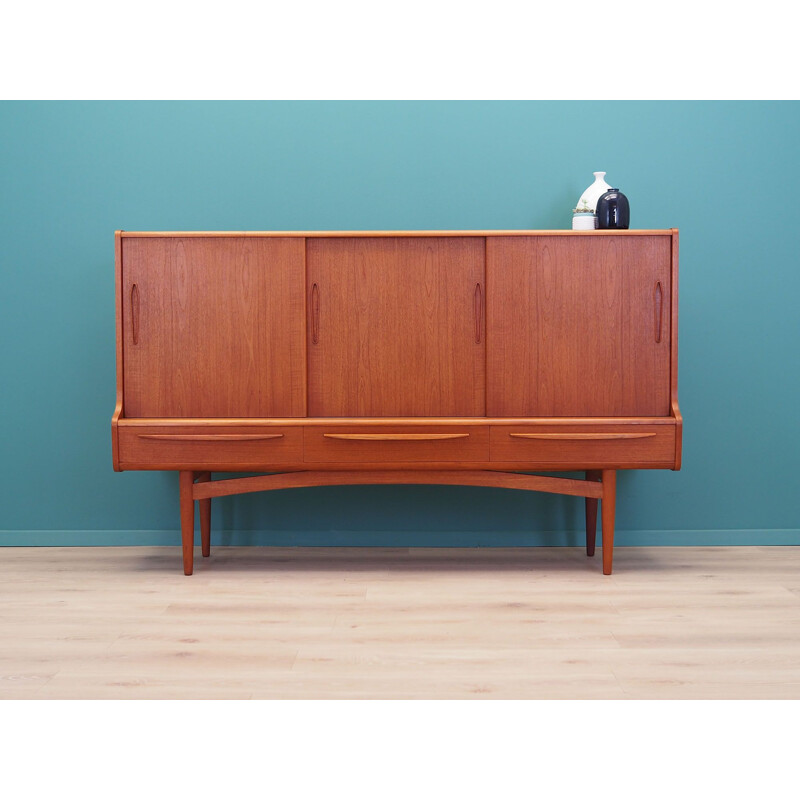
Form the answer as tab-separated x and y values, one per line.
613	210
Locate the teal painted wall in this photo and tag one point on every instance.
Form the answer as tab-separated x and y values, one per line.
725	173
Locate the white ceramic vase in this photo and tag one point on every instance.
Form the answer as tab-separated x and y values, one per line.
594	192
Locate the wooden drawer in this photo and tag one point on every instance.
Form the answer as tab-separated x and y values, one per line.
582	446
198	447
395	444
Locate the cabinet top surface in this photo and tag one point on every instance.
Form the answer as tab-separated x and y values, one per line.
325	234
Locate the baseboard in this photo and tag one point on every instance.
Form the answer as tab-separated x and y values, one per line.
666	538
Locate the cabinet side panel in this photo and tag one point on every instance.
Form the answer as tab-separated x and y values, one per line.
214	327
119	324
578	326
674	409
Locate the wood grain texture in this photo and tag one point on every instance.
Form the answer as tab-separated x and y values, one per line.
399	623
185	481
326	444
368	466
396	327
297	480
570	444
227	341
210	437
591	514
608	506
205	517
581	437
570	326
197	448
115	418
423	423
221	330
395	437
511	444
382	234
674	410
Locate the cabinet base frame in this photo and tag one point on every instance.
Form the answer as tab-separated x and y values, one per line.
599	485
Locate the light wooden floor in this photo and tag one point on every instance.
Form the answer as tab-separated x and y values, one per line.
395	623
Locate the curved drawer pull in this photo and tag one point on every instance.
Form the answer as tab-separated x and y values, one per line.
211	437
581	437
395	437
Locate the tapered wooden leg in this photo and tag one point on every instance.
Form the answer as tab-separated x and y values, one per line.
608	508
591	514
205	518
187	520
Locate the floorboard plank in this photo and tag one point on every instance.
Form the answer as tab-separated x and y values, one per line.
257	622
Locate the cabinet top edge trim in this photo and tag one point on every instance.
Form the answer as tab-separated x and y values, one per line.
135	422
332	234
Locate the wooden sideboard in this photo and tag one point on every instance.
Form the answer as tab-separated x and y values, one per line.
445	357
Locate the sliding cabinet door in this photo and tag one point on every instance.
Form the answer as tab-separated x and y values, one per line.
213	327
396	326
578	326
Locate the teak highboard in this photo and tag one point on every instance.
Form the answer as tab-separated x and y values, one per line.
443	357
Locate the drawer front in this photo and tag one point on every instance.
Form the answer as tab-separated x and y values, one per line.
195	447
395	444
582	446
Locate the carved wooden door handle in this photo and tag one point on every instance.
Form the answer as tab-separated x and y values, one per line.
478	302
658	308
135	313
315	314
